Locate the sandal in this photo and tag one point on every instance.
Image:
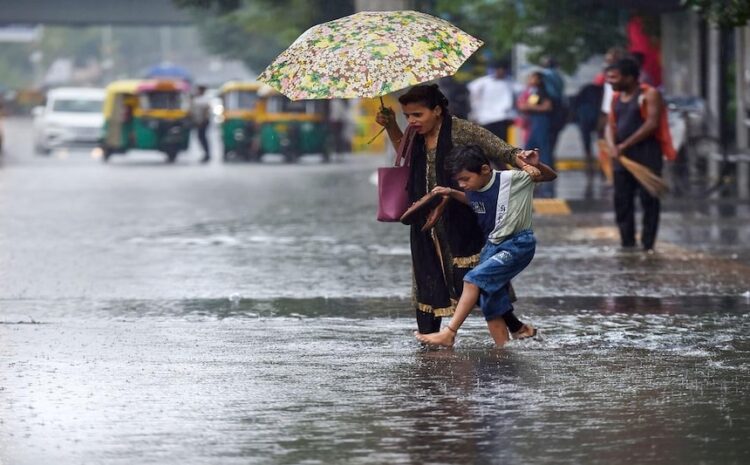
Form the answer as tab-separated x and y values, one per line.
526	332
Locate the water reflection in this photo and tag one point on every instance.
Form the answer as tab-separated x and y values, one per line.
610	380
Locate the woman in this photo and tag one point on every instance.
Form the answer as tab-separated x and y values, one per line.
442	255
536	106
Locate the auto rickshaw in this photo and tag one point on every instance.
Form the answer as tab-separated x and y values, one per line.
292	128
239	127
148	115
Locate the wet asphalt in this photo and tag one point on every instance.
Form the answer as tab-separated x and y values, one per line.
257	313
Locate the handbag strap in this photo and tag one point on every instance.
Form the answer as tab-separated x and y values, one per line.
403	154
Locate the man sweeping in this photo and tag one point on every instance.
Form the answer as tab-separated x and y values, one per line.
638	130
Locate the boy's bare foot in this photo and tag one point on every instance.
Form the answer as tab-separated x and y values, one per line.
525	332
445	337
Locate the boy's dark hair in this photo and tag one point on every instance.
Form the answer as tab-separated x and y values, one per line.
467	157
428	95
626	67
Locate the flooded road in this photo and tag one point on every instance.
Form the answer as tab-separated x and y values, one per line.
251	313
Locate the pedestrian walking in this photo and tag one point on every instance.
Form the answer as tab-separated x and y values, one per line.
493	100
536	105
585	106
502	202
201	112
635	124
612	56
443	254
338	120
554	84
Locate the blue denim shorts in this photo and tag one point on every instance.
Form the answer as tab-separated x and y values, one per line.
498	264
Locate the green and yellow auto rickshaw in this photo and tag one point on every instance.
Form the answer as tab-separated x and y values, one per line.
146	114
239	127
292	128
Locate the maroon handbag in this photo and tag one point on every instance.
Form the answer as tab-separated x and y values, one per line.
393	198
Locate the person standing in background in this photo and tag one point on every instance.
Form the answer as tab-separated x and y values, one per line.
201	113
492	100
554	84
536	105
634	135
612	56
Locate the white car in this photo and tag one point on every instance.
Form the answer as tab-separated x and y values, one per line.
72	116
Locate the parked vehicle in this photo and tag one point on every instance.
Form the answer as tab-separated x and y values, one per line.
72	116
148	115
292	128
241	108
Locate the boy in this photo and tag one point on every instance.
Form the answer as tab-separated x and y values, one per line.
502	201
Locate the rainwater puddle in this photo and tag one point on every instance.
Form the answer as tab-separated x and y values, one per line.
225	381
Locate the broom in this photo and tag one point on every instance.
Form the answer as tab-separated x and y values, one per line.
653	183
605	162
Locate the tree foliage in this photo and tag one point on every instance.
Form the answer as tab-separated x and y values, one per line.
571	31
724	13
256	31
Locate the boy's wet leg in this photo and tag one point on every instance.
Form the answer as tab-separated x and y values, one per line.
447	335
498	331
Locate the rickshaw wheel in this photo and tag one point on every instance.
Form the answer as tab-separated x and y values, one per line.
106	153
171	156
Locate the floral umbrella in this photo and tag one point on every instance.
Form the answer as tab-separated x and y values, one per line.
369	54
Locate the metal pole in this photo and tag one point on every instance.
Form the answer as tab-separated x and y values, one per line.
742	74
714	96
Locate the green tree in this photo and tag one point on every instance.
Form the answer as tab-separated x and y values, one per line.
571	31
724	13
256	31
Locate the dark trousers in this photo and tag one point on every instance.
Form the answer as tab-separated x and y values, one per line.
626	187
202	129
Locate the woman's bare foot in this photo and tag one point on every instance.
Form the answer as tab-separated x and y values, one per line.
445	337
525	332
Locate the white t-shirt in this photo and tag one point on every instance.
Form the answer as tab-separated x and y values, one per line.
607	98
511	192
492	99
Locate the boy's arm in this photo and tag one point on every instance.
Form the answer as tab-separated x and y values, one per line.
547	174
452	193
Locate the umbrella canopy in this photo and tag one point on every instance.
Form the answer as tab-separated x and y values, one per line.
369	54
167	70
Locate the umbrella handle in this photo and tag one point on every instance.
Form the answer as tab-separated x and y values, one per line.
375	137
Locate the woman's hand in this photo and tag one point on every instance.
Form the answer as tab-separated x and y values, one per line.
386	117
527	157
532	171
442	190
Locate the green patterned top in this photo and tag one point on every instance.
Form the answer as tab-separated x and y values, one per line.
467	133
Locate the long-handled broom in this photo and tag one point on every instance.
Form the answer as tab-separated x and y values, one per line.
650	181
